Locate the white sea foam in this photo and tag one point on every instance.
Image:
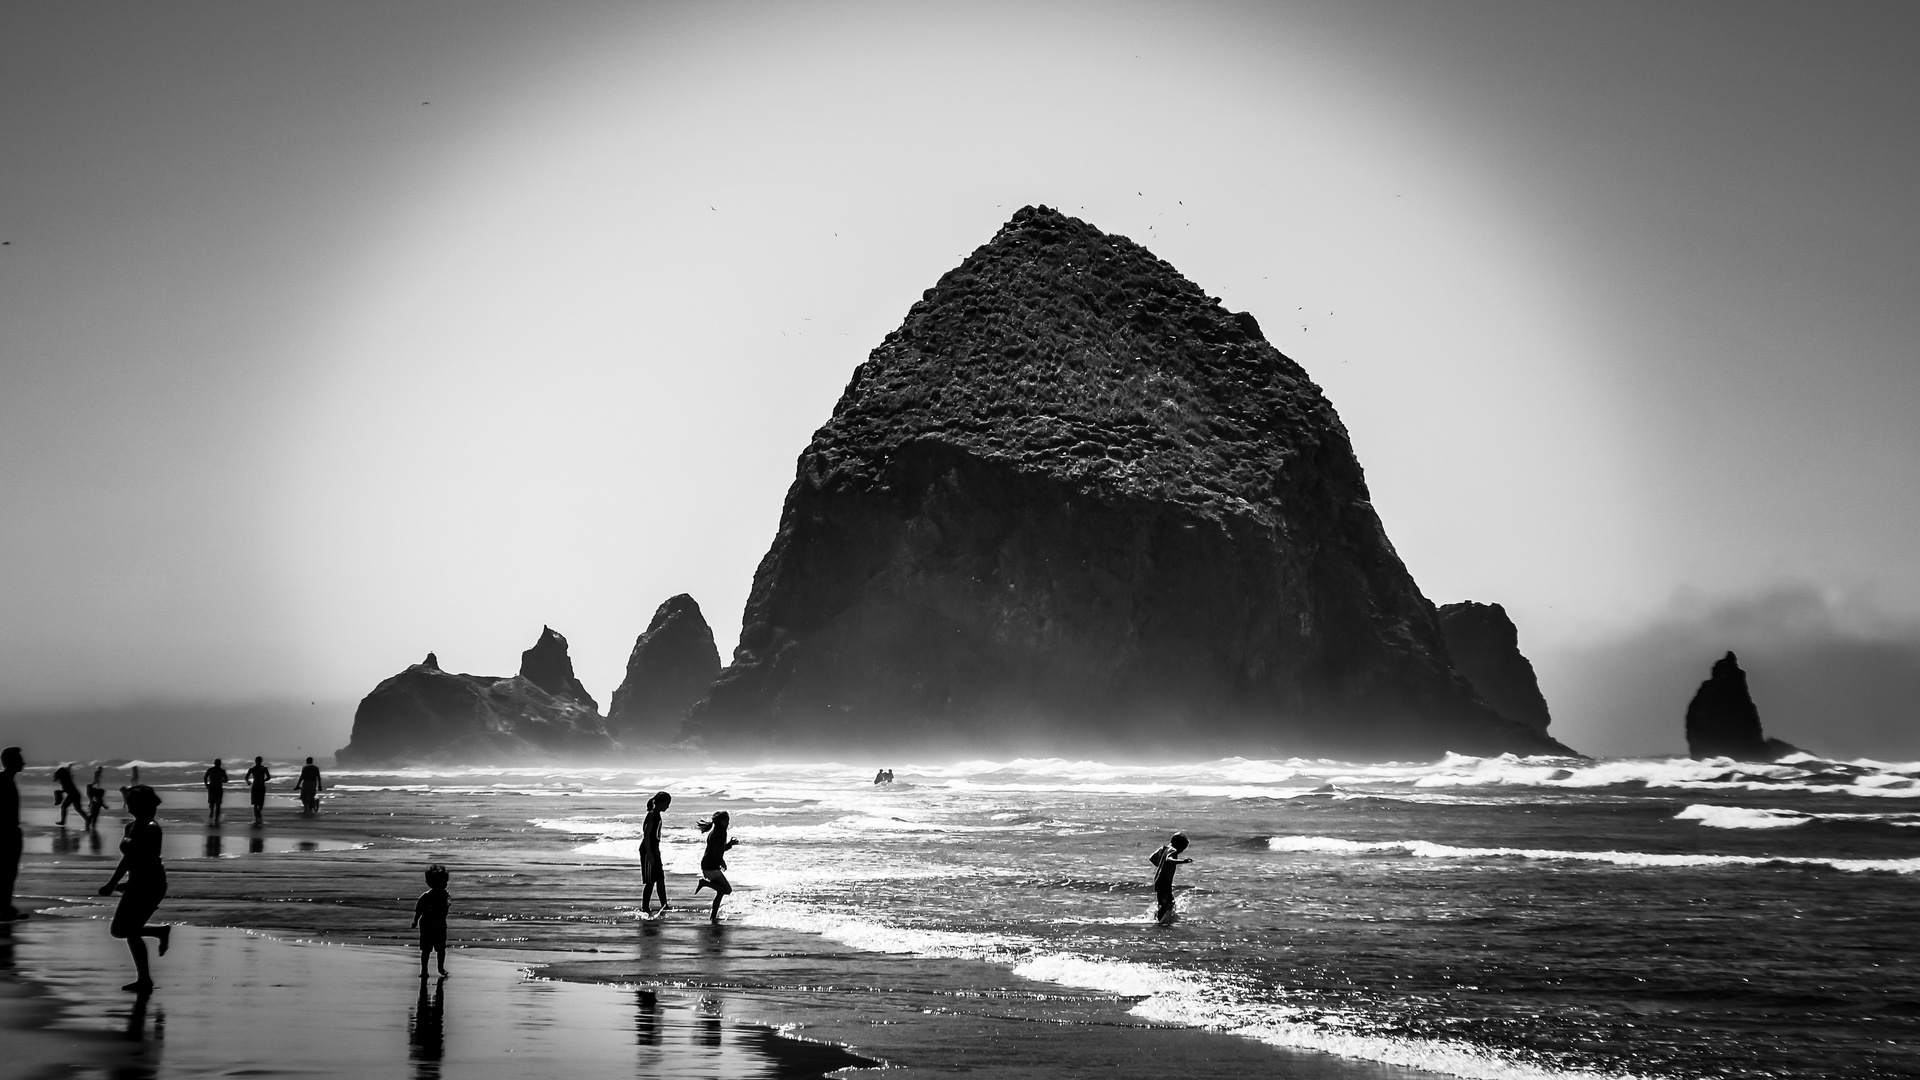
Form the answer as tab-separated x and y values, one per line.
1741	817
1426	849
1169	996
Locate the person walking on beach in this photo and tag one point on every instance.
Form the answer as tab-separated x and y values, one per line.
430	915
145	885
68	795
653	872
713	863
215	778
96	798
11	841
1166	861
310	787
257	777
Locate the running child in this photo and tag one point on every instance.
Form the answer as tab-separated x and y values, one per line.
713	863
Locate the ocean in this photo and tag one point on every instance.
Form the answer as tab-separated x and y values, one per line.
1476	917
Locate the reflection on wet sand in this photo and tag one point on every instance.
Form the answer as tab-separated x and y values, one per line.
426	1030
230	1003
213	845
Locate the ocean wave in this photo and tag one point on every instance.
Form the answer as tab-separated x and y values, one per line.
1746	817
1166	995
1426	849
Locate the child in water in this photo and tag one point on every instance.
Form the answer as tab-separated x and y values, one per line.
713	863
430	915
96	799
653	873
1167	861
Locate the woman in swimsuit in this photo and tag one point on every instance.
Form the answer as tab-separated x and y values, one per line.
652	870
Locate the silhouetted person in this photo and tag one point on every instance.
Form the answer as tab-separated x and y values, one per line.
257	778
1167	860
310	787
11	841
713	863
430	915
96	798
880	777
215	779
653	871
145	885
68	796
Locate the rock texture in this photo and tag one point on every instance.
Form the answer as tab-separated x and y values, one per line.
1075	503
548	667
1485	647
426	713
671	667
1723	722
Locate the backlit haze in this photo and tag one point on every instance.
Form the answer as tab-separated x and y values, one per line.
334	333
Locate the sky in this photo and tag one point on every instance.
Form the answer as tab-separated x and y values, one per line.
332	334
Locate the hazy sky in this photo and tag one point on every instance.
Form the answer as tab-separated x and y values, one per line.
334	333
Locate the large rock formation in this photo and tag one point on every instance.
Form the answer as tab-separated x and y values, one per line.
425	712
671	667
548	667
1722	720
1073	503
1485	647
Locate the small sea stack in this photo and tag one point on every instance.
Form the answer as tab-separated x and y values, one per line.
672	665
1075	504
1485	647
426	713
1722	720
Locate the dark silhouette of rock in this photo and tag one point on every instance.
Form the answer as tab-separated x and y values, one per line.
548	667
672	666
1722	720
1075	503
427	713
1485	646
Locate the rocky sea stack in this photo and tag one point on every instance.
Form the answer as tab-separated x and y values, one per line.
425	712
1073	503
671	667
1722	720
1485	647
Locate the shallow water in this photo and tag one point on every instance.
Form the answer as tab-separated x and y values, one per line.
1480	917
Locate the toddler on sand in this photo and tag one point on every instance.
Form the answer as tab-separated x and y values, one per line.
430	915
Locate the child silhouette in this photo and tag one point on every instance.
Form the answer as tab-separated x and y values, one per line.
430	915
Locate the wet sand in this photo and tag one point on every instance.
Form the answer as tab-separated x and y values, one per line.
234	1003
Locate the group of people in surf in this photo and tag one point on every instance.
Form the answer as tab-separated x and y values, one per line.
215	781
713	860
67	796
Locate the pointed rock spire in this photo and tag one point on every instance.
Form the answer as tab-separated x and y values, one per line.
1722	720
671	667
548	667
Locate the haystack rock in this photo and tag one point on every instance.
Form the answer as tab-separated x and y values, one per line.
426	713
1075	504
548	667
671	667
1722	720
1485	647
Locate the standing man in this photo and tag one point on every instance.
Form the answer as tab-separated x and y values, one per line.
310	787
10	841
216	781
257	777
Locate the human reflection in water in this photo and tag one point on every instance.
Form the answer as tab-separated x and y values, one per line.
213	845
256	844
646	1018
426	1030
711	1028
